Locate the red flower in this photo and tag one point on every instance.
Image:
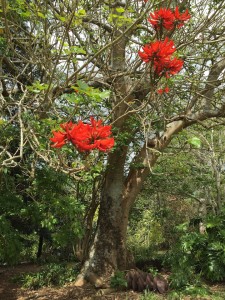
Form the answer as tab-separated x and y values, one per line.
99	136
94	136
157	51
181	18
67	126
105	144
173	67
85	145
161	91
98	130
163	17
59	139
85	137
166	90
168	67
78	133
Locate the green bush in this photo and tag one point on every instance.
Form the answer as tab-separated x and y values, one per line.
197	255
150	296
41	206
10	244
118	280
50	275
145	235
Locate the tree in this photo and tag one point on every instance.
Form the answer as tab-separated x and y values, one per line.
76	59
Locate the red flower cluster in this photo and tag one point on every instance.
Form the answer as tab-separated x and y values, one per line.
181	18
162	17
165	17
159	53
84	137
168	66
165	90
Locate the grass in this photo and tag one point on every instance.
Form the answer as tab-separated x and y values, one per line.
204	292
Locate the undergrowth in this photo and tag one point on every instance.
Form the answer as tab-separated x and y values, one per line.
50	275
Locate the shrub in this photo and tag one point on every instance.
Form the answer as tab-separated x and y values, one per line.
50	275
199	255
118	280
150	296
10	244
145	235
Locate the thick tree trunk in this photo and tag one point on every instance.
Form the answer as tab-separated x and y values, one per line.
108	251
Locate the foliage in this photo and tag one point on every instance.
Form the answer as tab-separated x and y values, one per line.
32	206
10	244
144	234
118	280
59	211
10	206
163	203
150	296
174	190
191	292
50	275
198	255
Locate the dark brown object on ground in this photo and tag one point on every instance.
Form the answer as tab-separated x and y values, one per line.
161	284
139	281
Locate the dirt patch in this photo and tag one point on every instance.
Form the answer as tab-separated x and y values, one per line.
72	292
8	288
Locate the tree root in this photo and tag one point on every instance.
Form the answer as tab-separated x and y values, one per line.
80	281
97	281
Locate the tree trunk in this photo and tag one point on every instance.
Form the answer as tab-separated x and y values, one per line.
82	246
108	251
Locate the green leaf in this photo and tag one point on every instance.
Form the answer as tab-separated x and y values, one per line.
37	87
194	141
82	85
26	14
104	95
81	13
2	122
77	50
61	18
120	9
41	15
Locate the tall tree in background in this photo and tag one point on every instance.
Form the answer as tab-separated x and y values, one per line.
63	61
